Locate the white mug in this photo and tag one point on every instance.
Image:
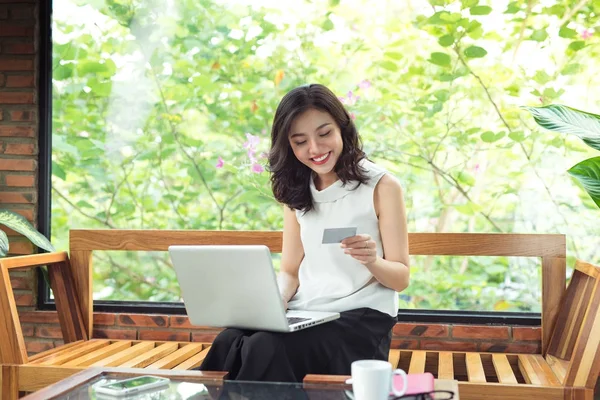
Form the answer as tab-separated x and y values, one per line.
373	380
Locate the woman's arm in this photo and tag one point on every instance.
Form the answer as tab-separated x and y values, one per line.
292	254
392	270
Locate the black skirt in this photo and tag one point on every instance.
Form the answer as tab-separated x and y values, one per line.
328	348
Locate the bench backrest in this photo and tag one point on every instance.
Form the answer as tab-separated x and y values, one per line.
551	249
574	350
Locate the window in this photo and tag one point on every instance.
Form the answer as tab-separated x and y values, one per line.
161	117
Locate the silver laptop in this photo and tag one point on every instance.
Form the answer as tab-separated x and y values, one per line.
234	286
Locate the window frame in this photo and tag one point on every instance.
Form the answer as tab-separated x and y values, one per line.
173	308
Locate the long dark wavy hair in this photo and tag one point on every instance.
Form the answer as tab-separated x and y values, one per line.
290	179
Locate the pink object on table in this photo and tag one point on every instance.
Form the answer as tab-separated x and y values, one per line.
417	383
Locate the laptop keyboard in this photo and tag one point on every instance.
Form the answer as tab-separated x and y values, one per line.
295	320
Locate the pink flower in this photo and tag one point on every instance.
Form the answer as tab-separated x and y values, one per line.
364	84
586	34
541	99
251	141
263	155
351	99
220	163
352	116
257	168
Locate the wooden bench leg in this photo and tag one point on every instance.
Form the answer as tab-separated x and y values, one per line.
9	385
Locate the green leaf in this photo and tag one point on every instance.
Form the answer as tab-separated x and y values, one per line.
542	77
3	244
441	59
512	8
517	136
587	173
452	18
465	178
334	3
389	65
571	69
446	40
539	35
19	224
393	55
468	3
563	119
576	45
58	171
567	33
475	52
468	209
491	137
480	10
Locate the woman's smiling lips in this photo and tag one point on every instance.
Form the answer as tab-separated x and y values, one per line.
321	159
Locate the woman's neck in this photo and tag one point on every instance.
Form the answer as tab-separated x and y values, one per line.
324	181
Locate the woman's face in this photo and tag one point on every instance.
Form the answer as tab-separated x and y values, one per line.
316	141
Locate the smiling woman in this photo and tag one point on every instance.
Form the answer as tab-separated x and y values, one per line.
161	116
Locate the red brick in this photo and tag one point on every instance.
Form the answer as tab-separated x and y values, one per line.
23	12
17	197
420	330
1	114
21	149
104	319
480	332
27	330
160	321
164	335
21	247
22	299
183	322
16	98
527	333
22	115
204	337
12	64
17	165
15	30
25	213
511	347
19	81
448	345
20	283
20	180
2	79
39	317
34	347
19	48
405	344
124	334
16	131
48	331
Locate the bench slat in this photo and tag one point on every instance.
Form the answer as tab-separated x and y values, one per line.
536	365
193	361
417	362
177	357
559	366
40	356
503	370
475	371
143	360
528	372
394	358
445	365
72	353
119	358
90	358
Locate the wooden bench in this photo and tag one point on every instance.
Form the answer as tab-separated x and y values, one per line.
71	281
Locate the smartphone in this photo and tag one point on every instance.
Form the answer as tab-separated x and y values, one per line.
131	386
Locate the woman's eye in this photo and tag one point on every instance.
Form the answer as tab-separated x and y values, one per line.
300	143
325	134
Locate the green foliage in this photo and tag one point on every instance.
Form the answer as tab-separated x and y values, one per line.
149	96
584	125
19	224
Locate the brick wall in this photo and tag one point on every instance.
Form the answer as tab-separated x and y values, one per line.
43	333
19	44
18	129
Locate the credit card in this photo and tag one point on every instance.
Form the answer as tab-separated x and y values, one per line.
336	235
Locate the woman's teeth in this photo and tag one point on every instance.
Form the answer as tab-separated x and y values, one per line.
324	156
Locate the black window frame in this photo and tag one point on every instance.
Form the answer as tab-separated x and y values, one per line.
172	308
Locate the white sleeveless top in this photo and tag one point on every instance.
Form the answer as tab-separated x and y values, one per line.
329	279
